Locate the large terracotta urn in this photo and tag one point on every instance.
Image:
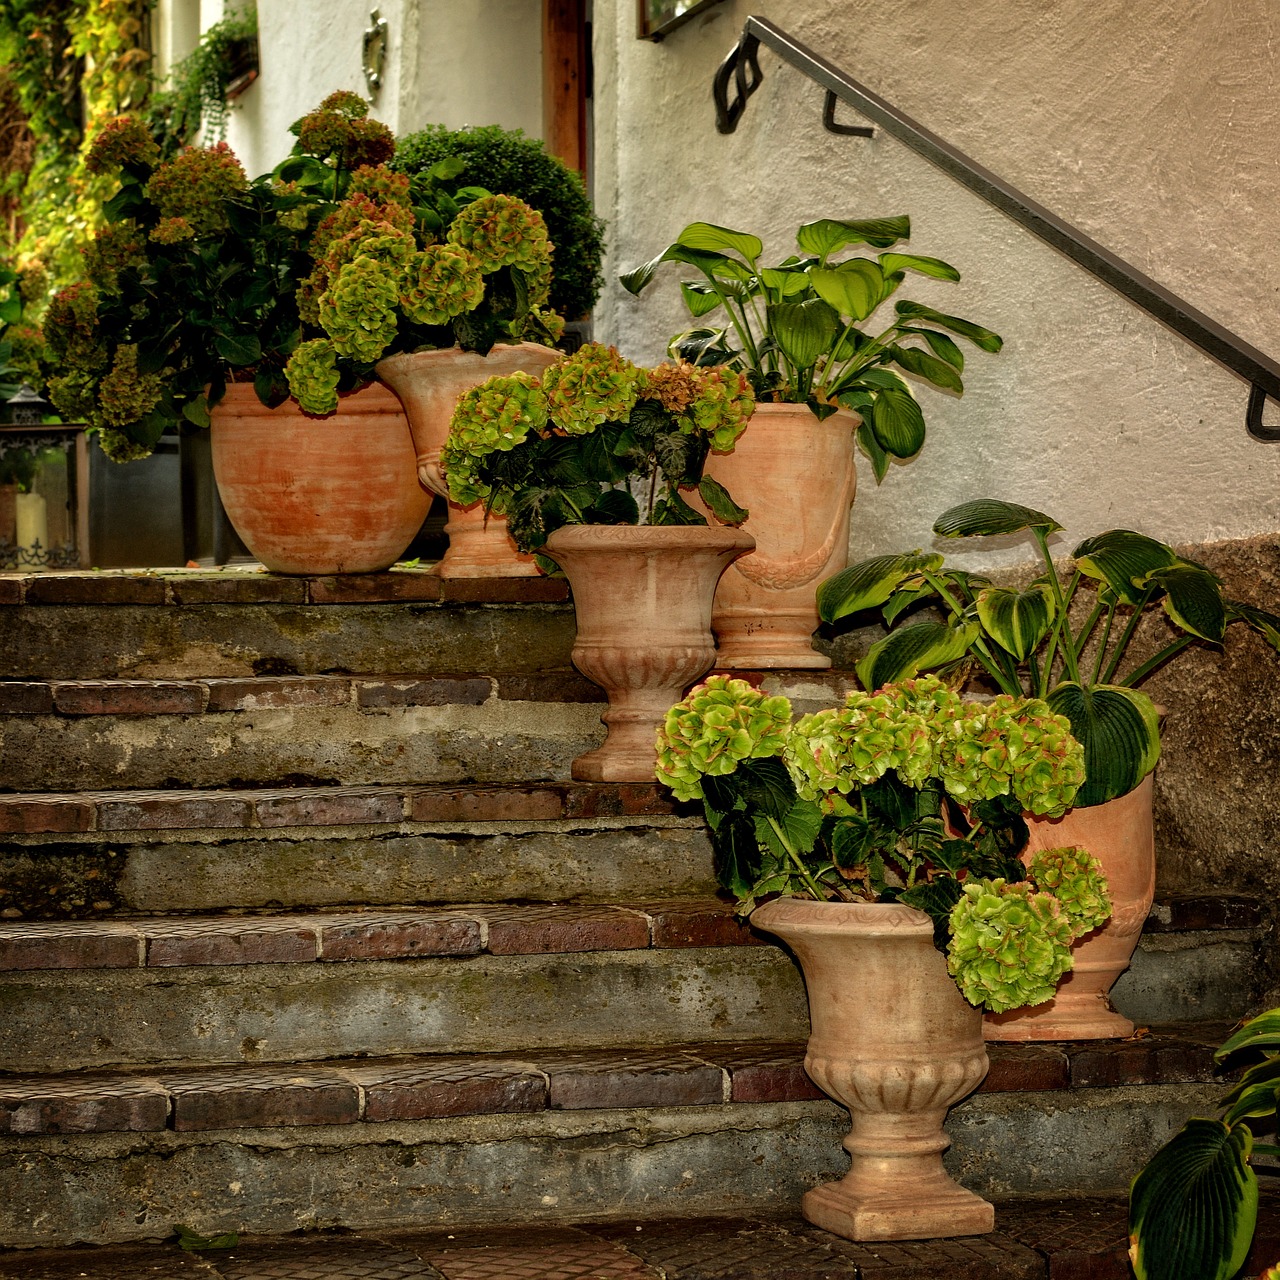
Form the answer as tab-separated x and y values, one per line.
796	477
429	384
1120	835
643	601
895	1042
312	495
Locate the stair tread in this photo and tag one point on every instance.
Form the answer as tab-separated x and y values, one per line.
434	1086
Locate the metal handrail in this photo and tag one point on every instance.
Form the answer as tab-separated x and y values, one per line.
742	69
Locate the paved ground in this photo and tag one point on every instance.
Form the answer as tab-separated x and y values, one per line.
1081	1239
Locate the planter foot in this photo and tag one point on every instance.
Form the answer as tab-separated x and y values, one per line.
920	1212
1059	1019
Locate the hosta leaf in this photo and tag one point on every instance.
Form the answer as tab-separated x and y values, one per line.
871	582
988	517
785	283
1017	620
705	237
1254	1096
1262	1032
1193	1209
1119	731
829	234
804	330
701	299
897	422
921	646
869	445
1121	559
1193	600
929	367
935	267
636	279
855	288
1267	625
942	346
982	338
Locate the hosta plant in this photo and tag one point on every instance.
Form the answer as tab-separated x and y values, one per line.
595	440
1193	1208
907	795
1047	639
810	331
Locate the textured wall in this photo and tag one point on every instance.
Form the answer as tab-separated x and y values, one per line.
1151	127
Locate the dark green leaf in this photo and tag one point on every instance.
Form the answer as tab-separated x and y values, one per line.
196	412
975	333
614	506
923	365
827	235
989	517
238	349
920	646
942	347
869	445
719	503
766	784
736	853
854	288
1121	559
673	509
193	1241
897	422
701	299
803	330
1267	625
935	267
1262	1032
871	582
935	898
853	841
1119	731
1017	620
1193	600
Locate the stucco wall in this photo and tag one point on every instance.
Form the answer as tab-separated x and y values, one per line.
1151	127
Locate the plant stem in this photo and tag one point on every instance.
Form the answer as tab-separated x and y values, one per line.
1106	640
1064	605
1134	678
994	669
1127	635
809	882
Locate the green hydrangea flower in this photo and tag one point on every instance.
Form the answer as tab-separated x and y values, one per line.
124	140
1074	876
197	184
125	394
720	723
495	416
1009	945
501	231
117	247
312	373
592	386
440	282
358	309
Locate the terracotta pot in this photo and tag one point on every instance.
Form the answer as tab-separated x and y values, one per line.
894	1041
429	384
318	495
643	602
1119	834
796	477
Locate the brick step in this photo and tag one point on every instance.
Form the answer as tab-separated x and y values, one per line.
484	978
543	1134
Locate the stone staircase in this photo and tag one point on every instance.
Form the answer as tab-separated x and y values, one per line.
303	924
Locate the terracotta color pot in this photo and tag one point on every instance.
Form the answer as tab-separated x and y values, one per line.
643	602
429	384
796	477
893	1040
1119	834
318	495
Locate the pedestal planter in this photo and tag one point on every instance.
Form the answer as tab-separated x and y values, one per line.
894	1041
429	384
1119	834
796	477
643	602
318	495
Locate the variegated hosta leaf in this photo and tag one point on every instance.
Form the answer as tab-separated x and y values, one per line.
872	582
1119	731
922	646
985	517
1262	1032
1254	1096
1267	625
1121	558
1017	620
1193	1209
1193	600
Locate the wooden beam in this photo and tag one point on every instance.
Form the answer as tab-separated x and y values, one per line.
564	81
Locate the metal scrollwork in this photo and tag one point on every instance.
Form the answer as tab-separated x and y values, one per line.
374	51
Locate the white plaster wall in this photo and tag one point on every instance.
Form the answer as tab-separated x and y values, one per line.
1150	125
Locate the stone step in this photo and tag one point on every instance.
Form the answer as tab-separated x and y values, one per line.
545	1134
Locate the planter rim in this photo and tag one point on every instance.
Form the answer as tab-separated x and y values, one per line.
389	366
771	408
870	919
242	400
646	537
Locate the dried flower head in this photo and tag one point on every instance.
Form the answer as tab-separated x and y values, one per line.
126	140
196	185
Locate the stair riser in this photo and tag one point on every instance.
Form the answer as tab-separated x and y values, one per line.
104	641
64	1020
556	1166
1189	977
615	861
309	746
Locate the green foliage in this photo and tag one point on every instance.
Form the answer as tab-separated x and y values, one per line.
796	329
909	795
505	160
1025	640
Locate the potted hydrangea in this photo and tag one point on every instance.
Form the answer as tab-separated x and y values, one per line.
882	838
591	464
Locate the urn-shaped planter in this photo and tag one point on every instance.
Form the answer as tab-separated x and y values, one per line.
642	595
429	384
894	1041
337	494
1119	834
796	477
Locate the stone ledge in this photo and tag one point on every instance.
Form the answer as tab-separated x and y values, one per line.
434	1087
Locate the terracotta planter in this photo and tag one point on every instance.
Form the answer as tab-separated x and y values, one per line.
318	495
796	477
894	1041
643	602
429	384
1119	834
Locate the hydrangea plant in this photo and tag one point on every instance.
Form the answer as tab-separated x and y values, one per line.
908	794
595	440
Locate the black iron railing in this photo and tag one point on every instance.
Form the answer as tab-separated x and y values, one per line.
741	72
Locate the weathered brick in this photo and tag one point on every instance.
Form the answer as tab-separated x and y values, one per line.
238	588
618	800
1149	1060
537	930
128	697
262	693
762	1073
25	698
504	590
1025	1068
485	804
12	588
208	942
85	1104
72	944
1180	913
390	936
329	807
458	1087
29	814
161	810
699	924
374	588
549	686
259	1099
434	691
103	588
578	1082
